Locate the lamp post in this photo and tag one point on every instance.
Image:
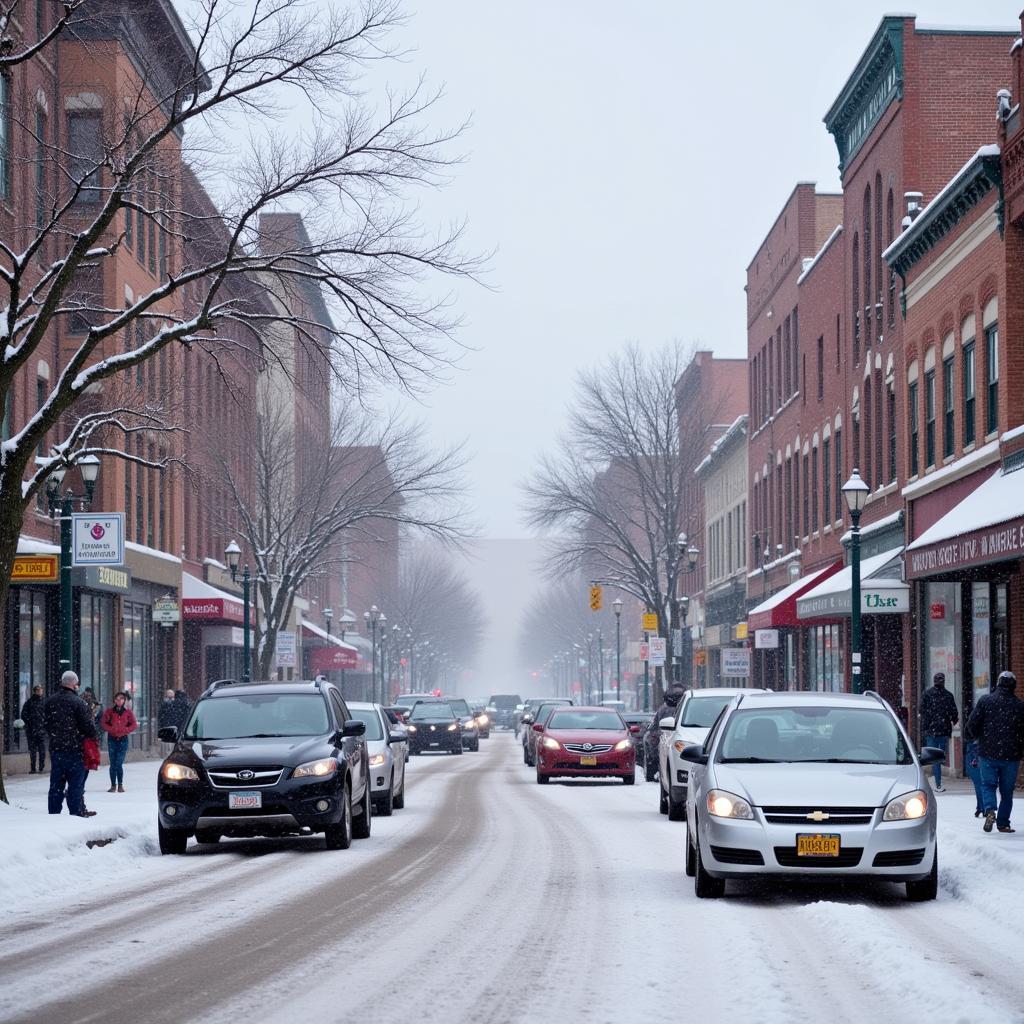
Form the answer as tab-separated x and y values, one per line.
590	670
328	615
600	667
855	491
688	556
617	608
411	676
233	554
346	622
370	618
89	466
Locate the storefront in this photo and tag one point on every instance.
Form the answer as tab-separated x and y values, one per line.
97	604
725	607
213	637
325	654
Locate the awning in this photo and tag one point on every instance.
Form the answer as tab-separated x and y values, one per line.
780	609
203	603
987	526
310	630
881	590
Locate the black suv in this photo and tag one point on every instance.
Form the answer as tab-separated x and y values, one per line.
265	759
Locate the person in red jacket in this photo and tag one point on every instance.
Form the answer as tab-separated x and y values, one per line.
118	722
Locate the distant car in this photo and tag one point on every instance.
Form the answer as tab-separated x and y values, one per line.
434	727
504	705
694	717
618	705
812	784
585	742
483	720
386	745
470	728
406	700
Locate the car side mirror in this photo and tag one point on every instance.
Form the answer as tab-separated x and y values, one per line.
527	719
667	723
353	727
538	727
169	734
398	736
634	729
931	755
695	752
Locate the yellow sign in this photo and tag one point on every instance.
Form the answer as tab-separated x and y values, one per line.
700	657
595	598
741	631
649	622
35	568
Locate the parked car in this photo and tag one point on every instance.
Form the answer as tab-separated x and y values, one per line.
406	700
528	709
537	717
813	784
504	707
694	717
265	759
387	744
642	720
433	726
617	705
584	742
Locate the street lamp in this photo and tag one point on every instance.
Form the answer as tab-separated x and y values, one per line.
233	554
617	608
691	553
855	491
89	466
600	667
371	618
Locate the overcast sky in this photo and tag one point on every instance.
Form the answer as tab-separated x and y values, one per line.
624	162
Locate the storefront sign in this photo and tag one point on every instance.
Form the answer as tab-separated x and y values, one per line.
766	639
735	662
102	577
937	611
995	544
97	539
874	600
644	651
35	569
166	611
741	631
700	657
332	658
211	609
284	650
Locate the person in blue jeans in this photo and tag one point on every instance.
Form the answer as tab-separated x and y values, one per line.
972	764
998	723
938	716
68	725
118	722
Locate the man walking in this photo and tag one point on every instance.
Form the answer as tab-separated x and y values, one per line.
35	733
68	725
997	722
938	716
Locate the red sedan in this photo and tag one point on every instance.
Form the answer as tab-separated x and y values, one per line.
584	743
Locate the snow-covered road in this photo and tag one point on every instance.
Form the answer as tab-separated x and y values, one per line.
488	899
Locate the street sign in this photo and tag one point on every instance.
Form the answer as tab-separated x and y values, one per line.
166	610
735	662
766	639
97	539
657	650
645	650
284	651
595	598
35	569
649	622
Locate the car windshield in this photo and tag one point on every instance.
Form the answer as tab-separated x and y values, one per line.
803	735
241	716
608	721
542	712
505	701
459	706
701	712
424	711
372	720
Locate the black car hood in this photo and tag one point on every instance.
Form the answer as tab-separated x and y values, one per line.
275	750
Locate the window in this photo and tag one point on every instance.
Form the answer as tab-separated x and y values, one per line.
5	137
947	407
796	500
929	419
814	490
912	416
866	467
826	478
991	379
790	531
42	393
892	434
787	382
806	497
821	368
868	302
86	154
879	429
892	273
41	198
969	393
856	299
796	343
86	297
838	514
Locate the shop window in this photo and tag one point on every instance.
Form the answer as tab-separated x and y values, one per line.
825	659
912	416
969	392
32	637
992	379
947	408
943	631
929	419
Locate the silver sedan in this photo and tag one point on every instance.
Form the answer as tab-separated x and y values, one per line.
386	745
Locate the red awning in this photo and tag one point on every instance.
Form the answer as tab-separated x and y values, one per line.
203	603
330	659
780	609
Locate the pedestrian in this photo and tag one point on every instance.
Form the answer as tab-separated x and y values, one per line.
182	709
91	761
938	716
95	708
68	725
998	723
118	722
972	765
652	738
35	731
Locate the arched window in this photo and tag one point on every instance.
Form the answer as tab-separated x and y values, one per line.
889	227
868	300
856	299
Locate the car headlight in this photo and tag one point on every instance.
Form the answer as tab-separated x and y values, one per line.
453	727
727	805
907	807
316	769
623	744
376	760
411	728
550	744
483	720
179	773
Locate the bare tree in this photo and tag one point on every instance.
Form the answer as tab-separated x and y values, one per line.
265	101
616	491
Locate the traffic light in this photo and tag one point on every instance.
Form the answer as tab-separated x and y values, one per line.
595	598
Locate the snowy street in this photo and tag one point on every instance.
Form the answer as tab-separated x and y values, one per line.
488	898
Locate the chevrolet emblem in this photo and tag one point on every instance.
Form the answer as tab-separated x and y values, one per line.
818	816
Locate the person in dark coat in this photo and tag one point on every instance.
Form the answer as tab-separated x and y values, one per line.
68	725
938	716
167	712
182	709
35	732
998	724
652	738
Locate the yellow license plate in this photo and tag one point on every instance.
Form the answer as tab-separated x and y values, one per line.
587	761
817	845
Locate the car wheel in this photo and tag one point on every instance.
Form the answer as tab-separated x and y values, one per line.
339	836
676	809
691	859
526	760
927	888
386	804
207	837
172	840
542	779
704	885
363	822
629	779
458	750
650	772
662	800
476	747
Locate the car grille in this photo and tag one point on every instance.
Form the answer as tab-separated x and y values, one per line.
898	858
577	767
729	855
255	778
848	858
836	815
595	748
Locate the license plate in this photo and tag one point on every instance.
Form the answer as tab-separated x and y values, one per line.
817	845
588	761
245	801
